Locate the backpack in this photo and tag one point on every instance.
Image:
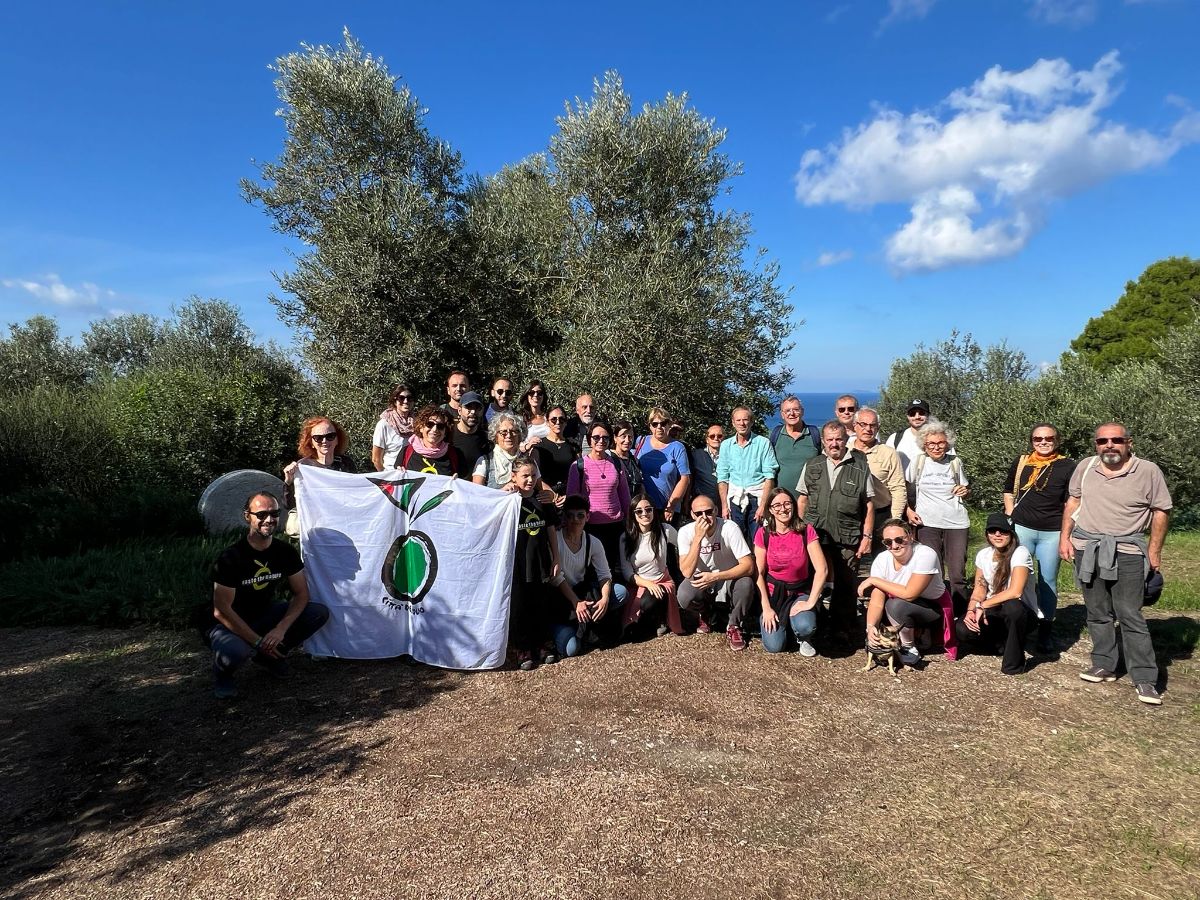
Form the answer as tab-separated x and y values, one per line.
812	434
955	468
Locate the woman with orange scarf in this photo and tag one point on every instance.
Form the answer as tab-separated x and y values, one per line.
1034	496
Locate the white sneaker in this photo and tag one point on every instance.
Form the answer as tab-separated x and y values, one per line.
910	656
807	649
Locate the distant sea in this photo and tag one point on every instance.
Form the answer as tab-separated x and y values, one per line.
818	407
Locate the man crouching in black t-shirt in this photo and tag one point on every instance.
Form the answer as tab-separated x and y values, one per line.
247	619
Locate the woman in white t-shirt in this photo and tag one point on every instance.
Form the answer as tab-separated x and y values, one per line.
906	584
1004	601
394	428
937	486
646	552
593	598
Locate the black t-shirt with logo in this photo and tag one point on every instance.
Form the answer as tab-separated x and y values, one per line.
533	560
256	575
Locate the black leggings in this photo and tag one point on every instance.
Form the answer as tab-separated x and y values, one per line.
919	613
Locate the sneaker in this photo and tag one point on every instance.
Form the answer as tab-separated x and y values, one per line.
1148	693
223	686
662	631
525	661
910	656
703	627
549	657
806	649
1097	674
736	641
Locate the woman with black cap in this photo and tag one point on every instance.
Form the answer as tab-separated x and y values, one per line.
1004	600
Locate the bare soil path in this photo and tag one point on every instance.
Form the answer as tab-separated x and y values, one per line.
671	768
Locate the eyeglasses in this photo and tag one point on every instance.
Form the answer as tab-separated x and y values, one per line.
703	512
1048	439
556	420
575	515
716	436
507	432
1100	442
895	542
935	445
435	426
322	438
599	438
658	424
263	514
847	409
874	425
780	507
644	511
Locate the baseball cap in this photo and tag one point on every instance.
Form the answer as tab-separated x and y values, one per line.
469	398
922	405
1001	522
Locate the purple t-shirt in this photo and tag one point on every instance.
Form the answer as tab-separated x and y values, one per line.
605	486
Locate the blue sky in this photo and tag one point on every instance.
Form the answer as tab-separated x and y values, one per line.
915	165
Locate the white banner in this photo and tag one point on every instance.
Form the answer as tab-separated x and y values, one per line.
408	563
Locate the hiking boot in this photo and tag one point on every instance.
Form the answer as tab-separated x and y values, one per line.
806	649
1148	693
1045	638
910	656
1097	674
736	641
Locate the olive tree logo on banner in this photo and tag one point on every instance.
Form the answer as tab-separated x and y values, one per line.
411	564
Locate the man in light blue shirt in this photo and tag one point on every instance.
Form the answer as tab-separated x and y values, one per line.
746	471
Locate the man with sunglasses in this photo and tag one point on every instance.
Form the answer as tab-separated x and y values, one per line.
1113	498
716	563
844	409
247	619
502	391
704	464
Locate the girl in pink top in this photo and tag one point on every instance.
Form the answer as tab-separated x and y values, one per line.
790	564
598	477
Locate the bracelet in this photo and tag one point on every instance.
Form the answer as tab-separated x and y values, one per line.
258	644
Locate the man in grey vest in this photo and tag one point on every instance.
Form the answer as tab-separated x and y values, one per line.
1113	498
836	498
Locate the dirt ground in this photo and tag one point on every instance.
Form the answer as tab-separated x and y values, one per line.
665	768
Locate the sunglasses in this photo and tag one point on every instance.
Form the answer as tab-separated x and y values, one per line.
658	424
1119	441
644	511
536	393
404	398
322	438
556	420
599	438
916	412
992	531
435	426
507	432
1044	440
263	514
716	436
847	409
895	542
704	513
500	391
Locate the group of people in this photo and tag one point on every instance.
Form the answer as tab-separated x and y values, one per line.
806	536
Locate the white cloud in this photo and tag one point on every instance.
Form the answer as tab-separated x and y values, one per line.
979	171
1073	13
832	258
899	10
52	289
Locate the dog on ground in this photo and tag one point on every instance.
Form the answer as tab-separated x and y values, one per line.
887	644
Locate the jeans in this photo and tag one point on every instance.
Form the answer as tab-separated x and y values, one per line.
745	519
1043	545
740	592
803	624
950	544
1120	600
230	651
566	634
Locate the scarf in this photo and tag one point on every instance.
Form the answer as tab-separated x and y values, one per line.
422	449
1036	465
402	425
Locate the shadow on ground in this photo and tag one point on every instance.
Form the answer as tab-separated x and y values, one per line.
126	733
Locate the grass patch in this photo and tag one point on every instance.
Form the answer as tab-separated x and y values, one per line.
137	581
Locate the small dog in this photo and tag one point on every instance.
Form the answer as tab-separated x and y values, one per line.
887	644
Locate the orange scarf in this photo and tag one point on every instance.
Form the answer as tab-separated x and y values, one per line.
1036	465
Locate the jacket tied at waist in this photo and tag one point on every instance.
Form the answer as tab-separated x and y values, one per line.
1099	554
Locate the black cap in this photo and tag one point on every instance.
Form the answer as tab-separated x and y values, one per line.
999	521
470	398
922	405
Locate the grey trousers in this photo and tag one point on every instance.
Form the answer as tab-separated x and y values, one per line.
740	593
1109	602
